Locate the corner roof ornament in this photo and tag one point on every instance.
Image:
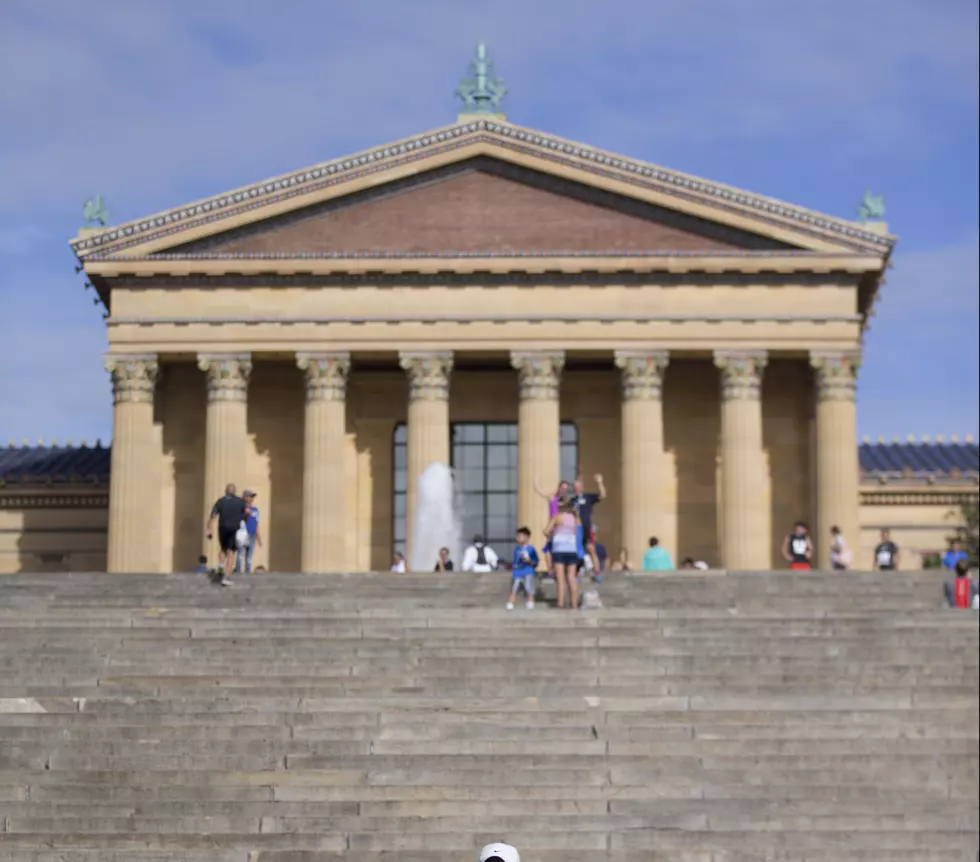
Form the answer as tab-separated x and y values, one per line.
483	91
872	207
95	213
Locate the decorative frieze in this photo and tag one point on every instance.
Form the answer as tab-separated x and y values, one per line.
428	375
539	373
741	373
326	375
836	374
134	378
642	373
227	376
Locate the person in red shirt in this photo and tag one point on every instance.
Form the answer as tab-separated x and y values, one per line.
962	591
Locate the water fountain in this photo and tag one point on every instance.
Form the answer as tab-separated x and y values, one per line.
437	521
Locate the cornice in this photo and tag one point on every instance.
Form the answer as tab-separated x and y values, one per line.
499	135
577	319
599	262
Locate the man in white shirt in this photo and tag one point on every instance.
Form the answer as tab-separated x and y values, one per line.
479	557
500	853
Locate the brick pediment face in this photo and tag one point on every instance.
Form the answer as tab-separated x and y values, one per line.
481	206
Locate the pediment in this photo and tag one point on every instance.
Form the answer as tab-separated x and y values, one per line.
475	187
482	205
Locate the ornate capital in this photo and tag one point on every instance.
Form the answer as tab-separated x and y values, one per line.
836	374
428	375
227	376
326	375
539	373
642	373
134	378
741	373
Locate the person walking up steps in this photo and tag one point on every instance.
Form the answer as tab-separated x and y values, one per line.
522	572
229	513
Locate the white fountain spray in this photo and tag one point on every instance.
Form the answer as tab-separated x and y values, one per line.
437	521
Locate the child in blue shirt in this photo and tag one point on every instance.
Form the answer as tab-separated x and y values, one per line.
522	572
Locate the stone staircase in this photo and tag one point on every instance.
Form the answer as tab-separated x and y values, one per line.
696	718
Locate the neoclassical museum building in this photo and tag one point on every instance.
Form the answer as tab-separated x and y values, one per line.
517	305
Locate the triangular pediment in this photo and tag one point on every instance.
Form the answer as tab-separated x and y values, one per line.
481	206
481	187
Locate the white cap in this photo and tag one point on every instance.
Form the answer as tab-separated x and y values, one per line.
503	852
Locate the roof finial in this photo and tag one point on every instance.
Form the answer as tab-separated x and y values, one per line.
482	92
872	207
95	213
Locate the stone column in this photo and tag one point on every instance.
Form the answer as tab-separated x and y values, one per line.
324	461
745	520
428	424
227	424
134	381
642	446
538	435
837	454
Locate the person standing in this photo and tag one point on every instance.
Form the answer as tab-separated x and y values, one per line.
553	502
584	504
840	554
563	533
886	553
229	513
798	548
953	556
243	556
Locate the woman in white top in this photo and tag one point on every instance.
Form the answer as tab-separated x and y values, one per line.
562	532
840	554
398	563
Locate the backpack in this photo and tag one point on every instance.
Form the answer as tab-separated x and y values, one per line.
591	601
481	557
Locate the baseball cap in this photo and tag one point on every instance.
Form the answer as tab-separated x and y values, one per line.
503	852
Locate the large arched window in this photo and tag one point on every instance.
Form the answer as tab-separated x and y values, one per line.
484	461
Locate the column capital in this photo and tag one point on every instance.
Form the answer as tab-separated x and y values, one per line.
836	373
134	378
539	373
326	375
741	373
642	373
227	375
428	374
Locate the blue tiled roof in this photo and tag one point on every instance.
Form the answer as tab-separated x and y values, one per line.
920	458
58	464
66	464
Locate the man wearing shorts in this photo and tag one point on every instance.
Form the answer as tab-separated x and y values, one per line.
229	513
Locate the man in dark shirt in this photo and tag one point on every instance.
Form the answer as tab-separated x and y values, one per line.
584	503
229	512
886	554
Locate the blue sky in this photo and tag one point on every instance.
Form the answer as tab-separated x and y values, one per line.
155	104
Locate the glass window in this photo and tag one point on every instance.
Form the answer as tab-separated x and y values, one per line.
484	460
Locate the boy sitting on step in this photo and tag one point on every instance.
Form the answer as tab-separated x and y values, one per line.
522	572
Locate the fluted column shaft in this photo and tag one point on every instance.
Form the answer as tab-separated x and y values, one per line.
538	435
131	488
428	423
226	436
324	468
642	444
745	518
837	455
